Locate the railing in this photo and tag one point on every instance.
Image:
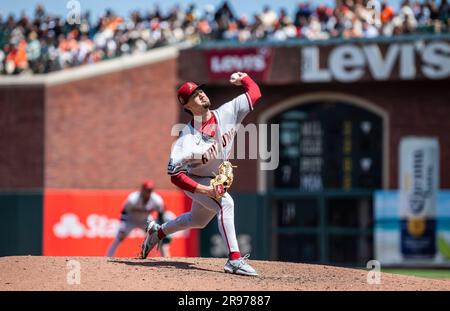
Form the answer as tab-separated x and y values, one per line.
332	41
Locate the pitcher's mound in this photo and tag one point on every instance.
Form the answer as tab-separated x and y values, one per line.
166	274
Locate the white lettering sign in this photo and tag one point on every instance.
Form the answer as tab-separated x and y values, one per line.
232	63
349	62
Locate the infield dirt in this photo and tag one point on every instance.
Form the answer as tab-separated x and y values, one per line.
186	274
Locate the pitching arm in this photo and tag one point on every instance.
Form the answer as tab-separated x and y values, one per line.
251	89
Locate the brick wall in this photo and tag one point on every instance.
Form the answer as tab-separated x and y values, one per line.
21	137
113	130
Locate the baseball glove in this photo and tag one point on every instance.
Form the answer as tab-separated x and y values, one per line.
222	181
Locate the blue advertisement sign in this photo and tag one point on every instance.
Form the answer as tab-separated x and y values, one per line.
390	242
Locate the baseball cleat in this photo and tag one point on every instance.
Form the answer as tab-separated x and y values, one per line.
151	239
240	266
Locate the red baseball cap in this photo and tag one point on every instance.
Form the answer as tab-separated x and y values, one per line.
186	90
148	184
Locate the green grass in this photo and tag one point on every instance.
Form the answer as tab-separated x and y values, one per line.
423	273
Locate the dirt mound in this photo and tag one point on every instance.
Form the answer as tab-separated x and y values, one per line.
166	274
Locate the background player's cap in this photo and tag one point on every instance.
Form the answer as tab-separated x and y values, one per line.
186	90
148	184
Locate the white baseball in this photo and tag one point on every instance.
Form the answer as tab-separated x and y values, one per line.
234	77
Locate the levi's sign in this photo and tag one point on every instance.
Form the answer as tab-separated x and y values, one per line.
397	61
254	61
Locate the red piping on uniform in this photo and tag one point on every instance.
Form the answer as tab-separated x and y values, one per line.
223	225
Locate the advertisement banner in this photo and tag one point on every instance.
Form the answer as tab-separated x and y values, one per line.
375	61
85	222
254	61
419	184
388	227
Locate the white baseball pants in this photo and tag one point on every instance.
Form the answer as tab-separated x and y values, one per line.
203	210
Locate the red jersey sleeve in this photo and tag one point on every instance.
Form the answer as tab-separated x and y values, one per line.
252	90
184	182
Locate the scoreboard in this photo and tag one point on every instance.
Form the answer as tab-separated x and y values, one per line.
329	146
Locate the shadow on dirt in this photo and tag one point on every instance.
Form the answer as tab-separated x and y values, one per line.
163	264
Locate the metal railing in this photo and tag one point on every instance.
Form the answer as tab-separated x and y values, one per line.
223	44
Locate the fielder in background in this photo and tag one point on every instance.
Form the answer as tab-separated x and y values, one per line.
136	213
201	150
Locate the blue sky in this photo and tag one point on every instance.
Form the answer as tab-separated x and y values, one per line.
123	7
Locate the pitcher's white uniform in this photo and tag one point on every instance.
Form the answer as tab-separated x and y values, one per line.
199	156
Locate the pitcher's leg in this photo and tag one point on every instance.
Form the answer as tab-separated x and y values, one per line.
236	263
198	217
224	208
225	220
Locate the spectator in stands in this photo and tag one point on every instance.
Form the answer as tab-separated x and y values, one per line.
223	17
47	43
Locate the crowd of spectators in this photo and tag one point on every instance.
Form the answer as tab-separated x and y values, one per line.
45	42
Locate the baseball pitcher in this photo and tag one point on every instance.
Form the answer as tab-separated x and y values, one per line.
198	165
136	214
